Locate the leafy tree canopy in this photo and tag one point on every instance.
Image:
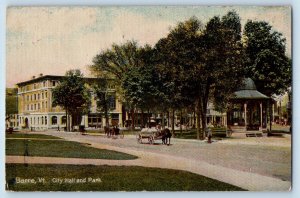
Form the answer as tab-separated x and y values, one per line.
71	93
266	62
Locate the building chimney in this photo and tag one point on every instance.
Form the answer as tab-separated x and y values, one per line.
33	77
41	74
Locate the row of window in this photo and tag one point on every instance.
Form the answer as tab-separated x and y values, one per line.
43	120
33	97
34	107
63	120
40	120
37	85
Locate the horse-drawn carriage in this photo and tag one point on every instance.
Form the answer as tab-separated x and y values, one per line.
152	134
114	132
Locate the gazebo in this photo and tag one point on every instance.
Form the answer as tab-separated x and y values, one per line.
248	108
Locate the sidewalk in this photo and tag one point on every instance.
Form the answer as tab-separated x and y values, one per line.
246	180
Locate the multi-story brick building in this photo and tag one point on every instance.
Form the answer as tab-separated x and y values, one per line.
36	111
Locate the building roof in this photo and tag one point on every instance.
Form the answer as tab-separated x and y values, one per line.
40	78
248	91
49	77
248	84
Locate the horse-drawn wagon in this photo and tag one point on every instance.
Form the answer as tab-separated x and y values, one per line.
152	134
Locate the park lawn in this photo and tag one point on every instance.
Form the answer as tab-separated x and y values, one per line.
60	148
110	178
29	135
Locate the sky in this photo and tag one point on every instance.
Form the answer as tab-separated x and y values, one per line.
52	40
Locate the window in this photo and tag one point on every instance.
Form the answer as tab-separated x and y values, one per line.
27	98
38	96
30	97
38	120
45	94
27	107
31	108
42	105
39	106
46	106
42	95
34	96
34	106
115	116
42	120
44	84
112	102
63	120
208	111
45	120
53	83
54	120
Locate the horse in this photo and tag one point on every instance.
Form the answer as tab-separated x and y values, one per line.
166	134
108	131
111	131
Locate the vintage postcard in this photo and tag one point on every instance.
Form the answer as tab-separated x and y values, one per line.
148	98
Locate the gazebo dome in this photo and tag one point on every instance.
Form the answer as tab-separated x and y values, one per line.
248	91
248	84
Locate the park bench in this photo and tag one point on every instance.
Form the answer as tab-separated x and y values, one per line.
254	134
221	132
277	133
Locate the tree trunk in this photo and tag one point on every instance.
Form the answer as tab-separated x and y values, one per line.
194	118
132	119
107	120
203	107
173	122
148	118
203	122
168	116
198	119
142	119
180	122
163	120
67	120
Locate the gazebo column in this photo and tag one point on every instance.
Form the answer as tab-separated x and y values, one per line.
261	116
245	112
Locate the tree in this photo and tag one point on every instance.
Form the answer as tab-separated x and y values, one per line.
73	96
222	69
104	97
176	57
11	101
115	62
141	83
266	61
202	63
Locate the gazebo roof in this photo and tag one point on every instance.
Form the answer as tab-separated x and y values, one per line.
248	91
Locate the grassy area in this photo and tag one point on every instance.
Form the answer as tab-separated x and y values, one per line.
27	135
59	148
108	178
